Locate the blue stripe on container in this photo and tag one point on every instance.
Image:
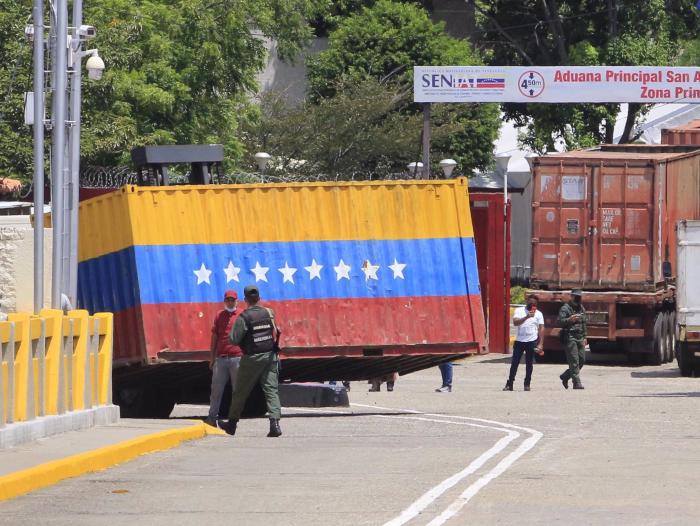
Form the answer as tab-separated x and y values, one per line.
434	267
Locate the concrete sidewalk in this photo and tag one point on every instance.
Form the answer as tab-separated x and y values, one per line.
38	464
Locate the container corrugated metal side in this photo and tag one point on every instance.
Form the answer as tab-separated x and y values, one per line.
686	134
606	219
347	266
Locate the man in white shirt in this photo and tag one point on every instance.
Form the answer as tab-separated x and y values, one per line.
530	324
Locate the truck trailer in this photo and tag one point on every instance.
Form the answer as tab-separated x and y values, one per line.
366	278
604	221
687	330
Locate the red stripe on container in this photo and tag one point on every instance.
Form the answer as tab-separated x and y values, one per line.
332	323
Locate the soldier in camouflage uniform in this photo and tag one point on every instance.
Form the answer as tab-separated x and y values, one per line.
572	320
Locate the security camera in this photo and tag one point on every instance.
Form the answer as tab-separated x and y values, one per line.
87	32
95	66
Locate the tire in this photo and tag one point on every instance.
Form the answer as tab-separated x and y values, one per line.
658	345
138	402
670	335
685	359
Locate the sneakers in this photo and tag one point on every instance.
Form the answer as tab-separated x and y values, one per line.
444	389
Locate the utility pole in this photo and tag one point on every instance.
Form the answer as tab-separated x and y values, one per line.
38	183
74	154
426	140
58	151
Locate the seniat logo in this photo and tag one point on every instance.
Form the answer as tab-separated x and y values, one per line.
531	84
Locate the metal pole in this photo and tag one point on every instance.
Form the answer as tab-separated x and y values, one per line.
426	140
74	155
58	148
38	15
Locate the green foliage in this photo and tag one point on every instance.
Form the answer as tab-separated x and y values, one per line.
177	72
517	295
15	79
582	32
384	42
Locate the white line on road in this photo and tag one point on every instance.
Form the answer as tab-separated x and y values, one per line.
431	495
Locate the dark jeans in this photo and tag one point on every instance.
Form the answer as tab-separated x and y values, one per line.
446	372
518	349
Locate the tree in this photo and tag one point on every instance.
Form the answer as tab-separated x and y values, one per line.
359	133
177	72
581	32
384	42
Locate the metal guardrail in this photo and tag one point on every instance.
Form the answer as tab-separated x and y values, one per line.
54	363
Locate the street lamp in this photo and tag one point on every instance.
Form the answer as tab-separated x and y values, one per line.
447	166
415	168
262	158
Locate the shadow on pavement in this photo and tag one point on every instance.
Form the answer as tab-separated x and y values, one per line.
311	415
672	373
692	394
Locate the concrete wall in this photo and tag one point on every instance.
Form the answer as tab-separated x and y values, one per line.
17	264
287	77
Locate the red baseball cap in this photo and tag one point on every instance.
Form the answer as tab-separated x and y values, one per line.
231	294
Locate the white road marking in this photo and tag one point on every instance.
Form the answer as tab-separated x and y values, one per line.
455	507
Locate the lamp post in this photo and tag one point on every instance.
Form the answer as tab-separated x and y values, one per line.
415	168
38	182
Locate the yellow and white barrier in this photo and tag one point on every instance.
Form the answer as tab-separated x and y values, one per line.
53	364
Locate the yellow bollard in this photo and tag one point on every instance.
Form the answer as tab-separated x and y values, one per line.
80	347
54	343
24	388
105	357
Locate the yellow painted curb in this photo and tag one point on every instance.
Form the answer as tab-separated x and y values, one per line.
50	473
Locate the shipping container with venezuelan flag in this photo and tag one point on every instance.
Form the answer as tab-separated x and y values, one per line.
365	278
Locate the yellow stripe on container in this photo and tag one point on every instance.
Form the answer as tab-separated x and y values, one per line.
278	212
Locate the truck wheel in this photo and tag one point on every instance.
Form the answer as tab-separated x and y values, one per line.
685	362
658	352
670	335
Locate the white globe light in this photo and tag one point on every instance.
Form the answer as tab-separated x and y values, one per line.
262	159
447	166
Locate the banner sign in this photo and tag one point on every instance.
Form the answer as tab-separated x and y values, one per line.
645	84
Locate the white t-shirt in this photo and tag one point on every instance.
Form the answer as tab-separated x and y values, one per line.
527	331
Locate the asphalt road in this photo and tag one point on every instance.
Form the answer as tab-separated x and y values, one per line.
624	451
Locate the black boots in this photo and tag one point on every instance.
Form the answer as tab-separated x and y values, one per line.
527	387
230	426
564	381
509	386
390	386
577	384
275	429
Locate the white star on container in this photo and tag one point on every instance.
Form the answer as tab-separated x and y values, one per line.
260	272
314	270
370	270
397	269
287	273
231	272
202	275
342	271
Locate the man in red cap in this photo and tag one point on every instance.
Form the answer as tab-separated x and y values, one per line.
225	356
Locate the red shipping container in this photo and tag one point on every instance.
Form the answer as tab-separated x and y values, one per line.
688	134
492	240
605	219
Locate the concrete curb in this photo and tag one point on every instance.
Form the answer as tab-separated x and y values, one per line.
50	473
22	432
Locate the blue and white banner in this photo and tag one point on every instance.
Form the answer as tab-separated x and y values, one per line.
645	84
